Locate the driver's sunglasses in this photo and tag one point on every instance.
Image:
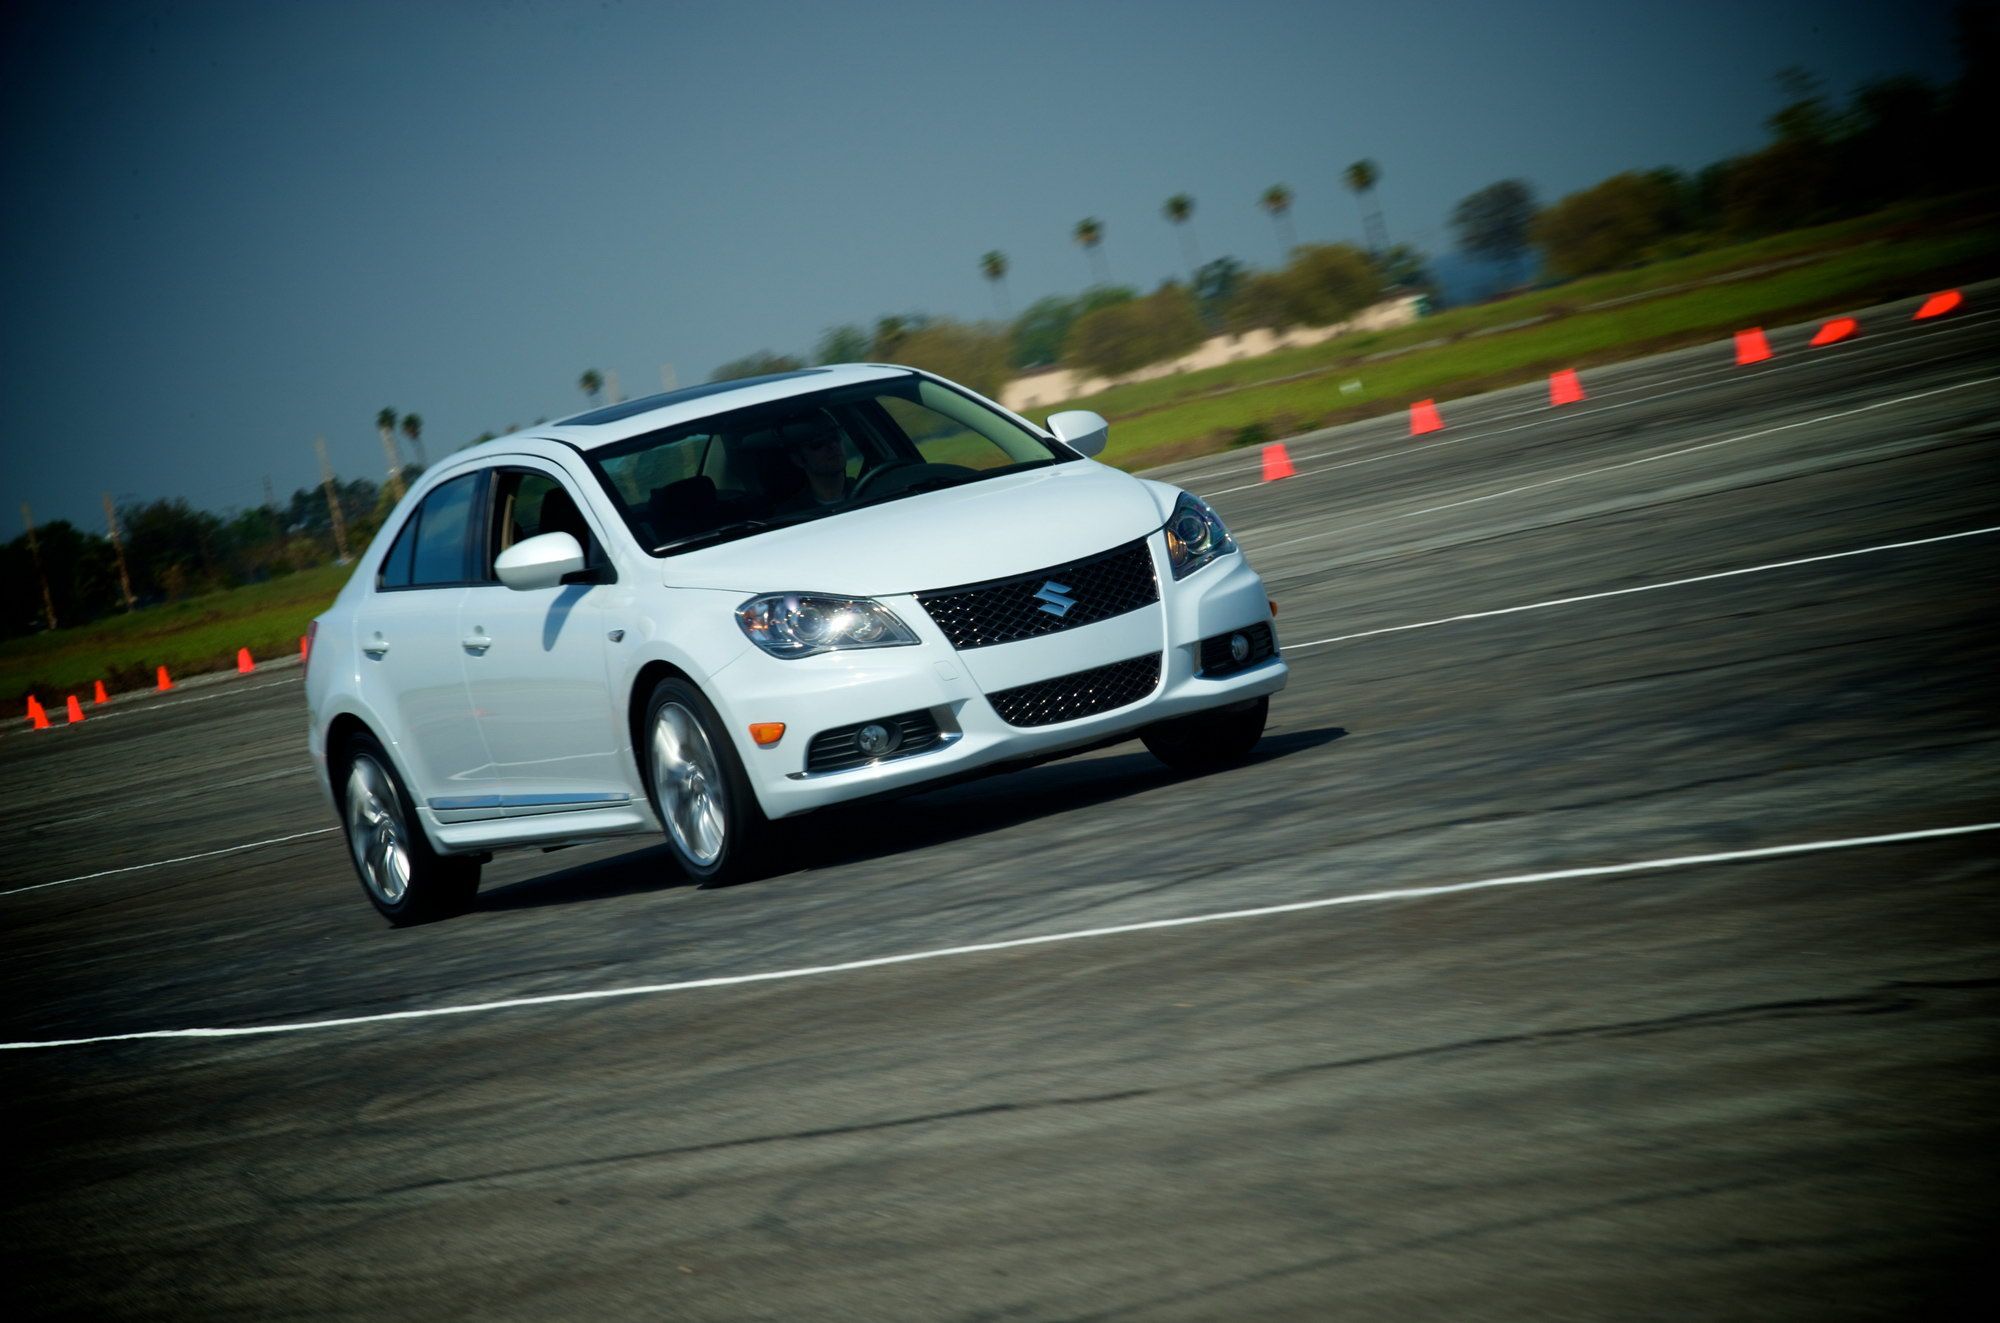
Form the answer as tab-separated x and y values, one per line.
820	442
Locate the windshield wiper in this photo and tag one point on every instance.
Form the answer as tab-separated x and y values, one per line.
720	533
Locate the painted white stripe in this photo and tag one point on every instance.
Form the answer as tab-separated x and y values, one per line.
1645	587
102	714
1045	939
186	858
1345	528
1597	404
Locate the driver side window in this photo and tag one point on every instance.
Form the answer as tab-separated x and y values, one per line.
528	504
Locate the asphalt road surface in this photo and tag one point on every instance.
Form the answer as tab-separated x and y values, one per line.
1659	1069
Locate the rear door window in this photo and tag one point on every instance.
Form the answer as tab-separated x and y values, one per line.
396	565
444	545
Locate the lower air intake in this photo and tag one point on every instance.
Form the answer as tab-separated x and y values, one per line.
1079	694
840	750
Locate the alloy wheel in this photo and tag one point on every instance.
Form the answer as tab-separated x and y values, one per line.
687	778
376	831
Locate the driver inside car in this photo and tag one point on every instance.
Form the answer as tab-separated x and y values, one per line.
814	445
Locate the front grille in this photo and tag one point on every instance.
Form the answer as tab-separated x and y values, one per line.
1079	694
1215	658
979	615
837	750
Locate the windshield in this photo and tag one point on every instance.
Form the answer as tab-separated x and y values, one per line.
736	474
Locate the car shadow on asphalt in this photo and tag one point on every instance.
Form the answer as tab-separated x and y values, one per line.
874	829
879	828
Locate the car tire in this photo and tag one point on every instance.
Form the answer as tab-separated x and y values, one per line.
1208	740
716	829
402	876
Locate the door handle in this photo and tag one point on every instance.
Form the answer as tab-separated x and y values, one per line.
376	647
477	642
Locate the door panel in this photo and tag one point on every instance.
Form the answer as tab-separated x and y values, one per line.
536	665
411	669
536	669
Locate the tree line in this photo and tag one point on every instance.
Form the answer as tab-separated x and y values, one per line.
1895	138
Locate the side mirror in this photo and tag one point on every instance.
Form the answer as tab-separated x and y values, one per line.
1080	430
539	562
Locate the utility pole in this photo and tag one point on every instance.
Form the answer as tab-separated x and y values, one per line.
270	495
332	501
395	467
118	545
611	386
34	550
668	379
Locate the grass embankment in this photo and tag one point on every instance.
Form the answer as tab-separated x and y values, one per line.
1296	390
200	634
1830	268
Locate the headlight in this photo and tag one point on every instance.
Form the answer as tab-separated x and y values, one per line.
1196	535
801	625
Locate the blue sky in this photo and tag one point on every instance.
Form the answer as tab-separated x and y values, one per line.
234	227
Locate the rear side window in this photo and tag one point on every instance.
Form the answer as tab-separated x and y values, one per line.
396	565
443	548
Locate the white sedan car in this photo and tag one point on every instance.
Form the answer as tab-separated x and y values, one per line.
737	602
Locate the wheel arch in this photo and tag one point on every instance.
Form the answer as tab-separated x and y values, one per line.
650	674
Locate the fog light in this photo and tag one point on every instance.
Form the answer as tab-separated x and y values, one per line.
1239	649
876	739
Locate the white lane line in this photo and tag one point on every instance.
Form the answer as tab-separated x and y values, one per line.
1544	413
162	863
1045	939
98	715
1345	528
1644	588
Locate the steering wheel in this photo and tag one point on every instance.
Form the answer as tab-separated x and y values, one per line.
909	472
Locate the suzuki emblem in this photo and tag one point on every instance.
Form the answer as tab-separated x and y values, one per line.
1053	598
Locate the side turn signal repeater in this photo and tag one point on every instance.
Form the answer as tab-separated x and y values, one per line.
767	733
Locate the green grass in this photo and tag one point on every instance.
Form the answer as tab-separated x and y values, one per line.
1147	432
200	634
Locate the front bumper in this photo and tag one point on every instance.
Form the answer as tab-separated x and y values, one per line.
842	689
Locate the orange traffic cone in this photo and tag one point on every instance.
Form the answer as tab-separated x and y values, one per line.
1937	305
1277	464
75	710
36	715
1424	418
1837	329
97	694
243	663
1751	346
164	684
1564	388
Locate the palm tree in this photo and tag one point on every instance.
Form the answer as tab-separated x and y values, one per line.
1090	233
1179	210
385	423
591	383
1277	200
994	267
413	428
1362	177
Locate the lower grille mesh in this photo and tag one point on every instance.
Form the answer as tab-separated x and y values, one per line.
1079	694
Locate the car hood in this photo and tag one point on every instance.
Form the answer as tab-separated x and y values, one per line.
985	530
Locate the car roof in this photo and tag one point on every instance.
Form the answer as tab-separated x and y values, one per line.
629	418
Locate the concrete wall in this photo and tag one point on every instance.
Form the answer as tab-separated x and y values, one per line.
1039	390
